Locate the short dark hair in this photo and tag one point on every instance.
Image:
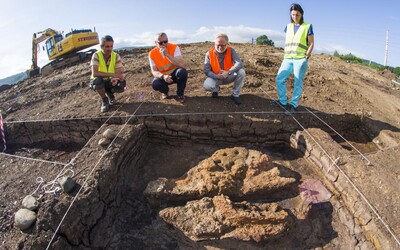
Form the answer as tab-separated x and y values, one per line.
159	35
296	6
105	39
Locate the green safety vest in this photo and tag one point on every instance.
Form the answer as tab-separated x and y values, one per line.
103	65
296	44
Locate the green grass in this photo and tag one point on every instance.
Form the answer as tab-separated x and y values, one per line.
350	58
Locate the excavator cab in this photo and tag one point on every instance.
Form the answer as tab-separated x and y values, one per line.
51	43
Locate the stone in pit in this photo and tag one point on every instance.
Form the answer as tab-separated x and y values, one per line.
235	172
219	218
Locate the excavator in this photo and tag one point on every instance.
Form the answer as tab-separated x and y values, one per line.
62	50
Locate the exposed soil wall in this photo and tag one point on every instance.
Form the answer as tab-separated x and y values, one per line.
355	212
116	182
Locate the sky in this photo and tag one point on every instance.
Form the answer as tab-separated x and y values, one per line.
351	26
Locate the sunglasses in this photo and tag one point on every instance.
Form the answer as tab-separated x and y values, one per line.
162	42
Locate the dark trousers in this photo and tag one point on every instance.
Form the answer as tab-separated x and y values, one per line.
101	83
179	76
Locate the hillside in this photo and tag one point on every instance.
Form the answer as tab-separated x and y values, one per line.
358	102
13	79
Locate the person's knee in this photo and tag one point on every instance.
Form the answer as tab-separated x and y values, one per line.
209	84
182	73
280	77
241	73
97	83
157	83
120	87
239	79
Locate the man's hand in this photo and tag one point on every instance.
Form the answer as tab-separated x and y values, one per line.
168	79
223	74
119	76
163	51
114	81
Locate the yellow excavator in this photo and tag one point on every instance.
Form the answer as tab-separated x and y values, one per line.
62	50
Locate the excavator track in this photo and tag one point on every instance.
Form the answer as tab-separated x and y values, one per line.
66	62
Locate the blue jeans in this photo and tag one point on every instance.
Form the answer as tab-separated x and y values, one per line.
212	85
299	68
179	76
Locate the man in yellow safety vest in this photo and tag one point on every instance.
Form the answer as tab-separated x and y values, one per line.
107	73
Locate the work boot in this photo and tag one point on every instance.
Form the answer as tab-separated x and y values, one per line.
111	98
105	105
181	99
236	99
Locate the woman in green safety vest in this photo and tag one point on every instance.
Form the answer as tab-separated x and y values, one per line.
299	44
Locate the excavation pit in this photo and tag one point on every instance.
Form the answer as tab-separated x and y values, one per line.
113	212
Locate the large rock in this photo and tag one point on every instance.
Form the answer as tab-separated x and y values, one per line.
109	134
67	183
219	218
24	218
30	202
235	172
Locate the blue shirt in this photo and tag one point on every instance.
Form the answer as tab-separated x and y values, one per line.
296	27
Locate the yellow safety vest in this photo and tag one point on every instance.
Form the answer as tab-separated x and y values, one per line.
103	65
296	44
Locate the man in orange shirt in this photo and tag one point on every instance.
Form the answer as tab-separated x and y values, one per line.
168	67
222	65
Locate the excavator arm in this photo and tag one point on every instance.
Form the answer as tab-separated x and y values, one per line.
43	35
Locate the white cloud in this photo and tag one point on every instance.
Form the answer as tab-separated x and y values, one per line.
240	34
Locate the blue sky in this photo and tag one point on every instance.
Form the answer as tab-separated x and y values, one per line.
348	26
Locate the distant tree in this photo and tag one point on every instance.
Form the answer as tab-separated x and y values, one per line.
264	40
336	54
350	58
396	71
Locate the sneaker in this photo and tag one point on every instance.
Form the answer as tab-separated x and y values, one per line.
278	103
105	105
164	96
214	94
291	109
111	98
181	99
236	99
